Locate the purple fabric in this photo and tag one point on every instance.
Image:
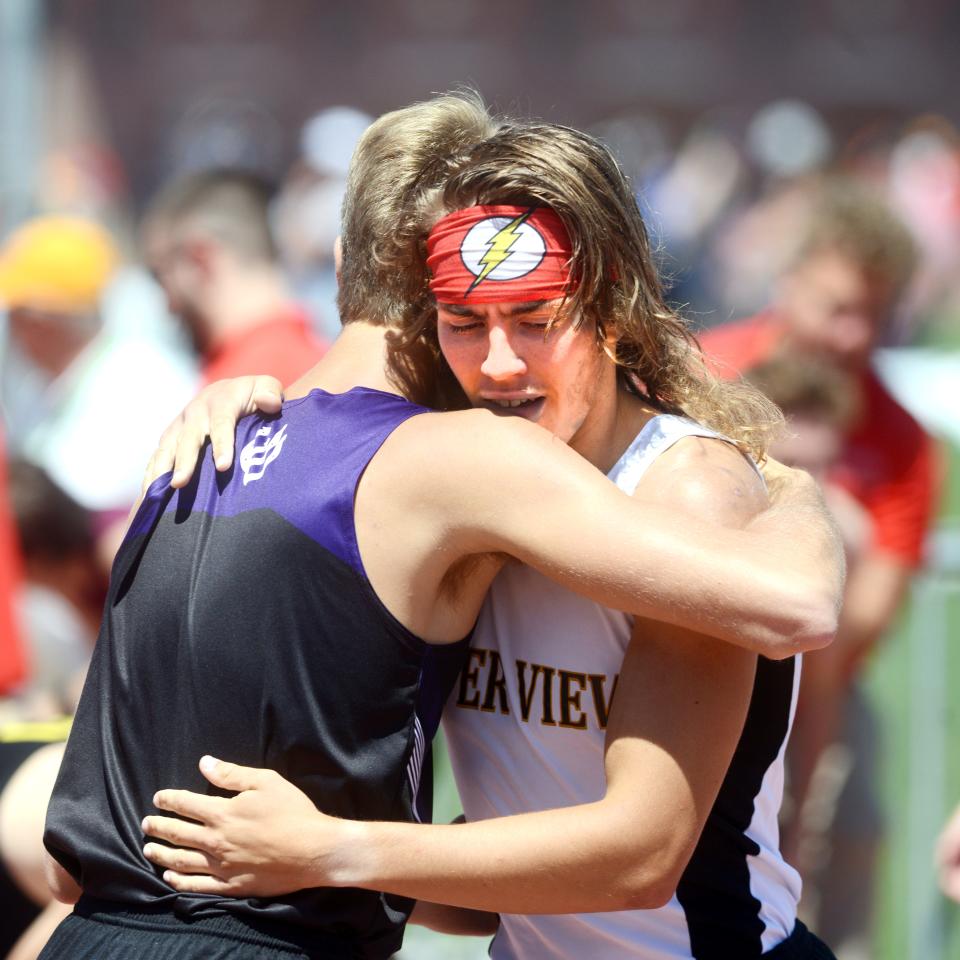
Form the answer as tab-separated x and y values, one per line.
326	441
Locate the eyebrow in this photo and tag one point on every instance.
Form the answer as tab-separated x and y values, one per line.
462	310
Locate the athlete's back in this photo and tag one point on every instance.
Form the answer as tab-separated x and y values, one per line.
240	622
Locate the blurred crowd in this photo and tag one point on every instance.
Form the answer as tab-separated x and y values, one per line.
806	253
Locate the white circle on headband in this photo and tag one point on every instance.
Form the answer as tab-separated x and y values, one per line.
502	248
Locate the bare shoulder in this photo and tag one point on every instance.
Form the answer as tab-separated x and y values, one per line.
478	424
708	478
470	440
472	470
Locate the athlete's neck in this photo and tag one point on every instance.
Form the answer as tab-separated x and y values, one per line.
616	418
357	358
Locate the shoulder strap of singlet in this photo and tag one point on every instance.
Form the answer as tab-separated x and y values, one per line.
658	435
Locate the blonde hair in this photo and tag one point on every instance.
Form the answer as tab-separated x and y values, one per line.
618	287
400	155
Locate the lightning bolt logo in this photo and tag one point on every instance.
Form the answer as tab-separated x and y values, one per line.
498	248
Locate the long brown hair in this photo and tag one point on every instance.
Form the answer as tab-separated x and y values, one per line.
618	287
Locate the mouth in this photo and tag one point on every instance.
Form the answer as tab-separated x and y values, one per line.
529	408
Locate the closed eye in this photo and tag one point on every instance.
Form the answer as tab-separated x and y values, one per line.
463	327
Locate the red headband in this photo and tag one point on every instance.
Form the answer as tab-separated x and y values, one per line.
499	254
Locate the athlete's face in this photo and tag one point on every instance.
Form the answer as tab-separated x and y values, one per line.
510	359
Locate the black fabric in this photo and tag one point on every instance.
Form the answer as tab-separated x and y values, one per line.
723	915
800	945
103	931
17	909
239	633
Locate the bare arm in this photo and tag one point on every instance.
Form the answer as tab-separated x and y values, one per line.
627	850
508	486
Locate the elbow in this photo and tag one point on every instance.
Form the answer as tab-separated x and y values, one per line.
805	638
808	608
652	883
811	623
648	892
817	625
649	896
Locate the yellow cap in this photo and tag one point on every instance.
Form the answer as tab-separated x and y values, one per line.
56	263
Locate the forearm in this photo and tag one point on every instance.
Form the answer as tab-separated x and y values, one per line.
772	587
805	556
758	588
570	860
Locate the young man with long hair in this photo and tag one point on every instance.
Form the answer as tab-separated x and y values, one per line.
528	268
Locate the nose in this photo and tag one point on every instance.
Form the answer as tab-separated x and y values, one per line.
502	362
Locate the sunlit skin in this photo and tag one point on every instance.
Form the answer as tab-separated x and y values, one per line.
835	309
522	359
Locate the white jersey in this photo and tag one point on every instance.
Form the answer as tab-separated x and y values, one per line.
525	729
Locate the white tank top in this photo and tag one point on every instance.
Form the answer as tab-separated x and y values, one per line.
525	730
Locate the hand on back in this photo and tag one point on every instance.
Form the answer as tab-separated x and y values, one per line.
213	413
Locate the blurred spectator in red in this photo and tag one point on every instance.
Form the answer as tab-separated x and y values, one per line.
834	304
13	665
81	400
208	241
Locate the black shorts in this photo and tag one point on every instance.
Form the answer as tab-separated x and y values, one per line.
102	931
800	945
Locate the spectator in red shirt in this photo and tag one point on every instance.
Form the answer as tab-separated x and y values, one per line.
835	304
208	242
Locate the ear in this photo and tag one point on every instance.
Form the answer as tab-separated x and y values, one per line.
338	257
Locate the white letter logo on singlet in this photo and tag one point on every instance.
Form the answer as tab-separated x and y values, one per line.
257	455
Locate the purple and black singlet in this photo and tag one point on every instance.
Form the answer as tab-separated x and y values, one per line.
240	623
